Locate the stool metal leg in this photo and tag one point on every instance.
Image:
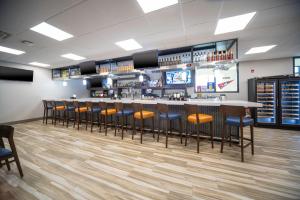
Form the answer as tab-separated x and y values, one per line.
242	144
180	127
252	139
186	132
158	133
211	134
198	138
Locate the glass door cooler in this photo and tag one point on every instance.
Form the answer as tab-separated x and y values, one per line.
290	102
266	95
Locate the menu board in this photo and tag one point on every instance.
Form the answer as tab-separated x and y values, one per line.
216	79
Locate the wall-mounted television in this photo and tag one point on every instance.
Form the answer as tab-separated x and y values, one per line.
95	82
88	67
178	77
14	74
145	59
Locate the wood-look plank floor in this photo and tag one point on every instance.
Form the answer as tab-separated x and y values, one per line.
61	163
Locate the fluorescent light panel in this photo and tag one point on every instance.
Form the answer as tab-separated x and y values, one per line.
39	64
235	23
72	56
51	31
152	5
261	49
129	45
11	51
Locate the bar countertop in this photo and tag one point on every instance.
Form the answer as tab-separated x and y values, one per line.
200	102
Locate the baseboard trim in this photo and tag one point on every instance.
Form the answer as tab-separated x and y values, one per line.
21	121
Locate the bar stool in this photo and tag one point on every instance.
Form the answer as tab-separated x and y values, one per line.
169	117
47	107
58	109
235	116
194	117
6	154
142	115
105	112
123	114
92	110
79	109
69	112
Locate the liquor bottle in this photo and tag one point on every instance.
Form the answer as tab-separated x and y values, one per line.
231	55
228	55
208	57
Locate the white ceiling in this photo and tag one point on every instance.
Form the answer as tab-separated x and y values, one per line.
98	24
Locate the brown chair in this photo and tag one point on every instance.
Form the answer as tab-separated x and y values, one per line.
235	116
69	112
47	106
79	110
105	112
164	115
142	115
122	115
194	117
58	109
6	154
93	109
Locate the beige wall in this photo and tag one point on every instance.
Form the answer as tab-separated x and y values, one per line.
262	68
23	100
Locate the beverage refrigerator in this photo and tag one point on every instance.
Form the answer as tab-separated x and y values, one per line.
280	99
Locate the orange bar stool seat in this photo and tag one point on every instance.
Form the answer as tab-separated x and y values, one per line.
144	114
105	113
79	109
109	111
203	118
194	117
141	115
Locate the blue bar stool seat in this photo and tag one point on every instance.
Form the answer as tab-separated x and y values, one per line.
235	121
167	116
235	116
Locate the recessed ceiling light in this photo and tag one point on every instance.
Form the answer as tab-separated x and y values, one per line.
235	23
39	64
72	56
129	45
11	51
51	31
261	49
152	5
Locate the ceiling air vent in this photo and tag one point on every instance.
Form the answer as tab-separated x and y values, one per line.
3	35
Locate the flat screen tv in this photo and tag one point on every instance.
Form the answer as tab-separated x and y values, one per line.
14	74
88	67
178	77
145	59
95	82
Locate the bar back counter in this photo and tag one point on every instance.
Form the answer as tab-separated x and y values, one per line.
210	107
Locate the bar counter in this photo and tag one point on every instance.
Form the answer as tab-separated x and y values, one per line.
200	102
210	107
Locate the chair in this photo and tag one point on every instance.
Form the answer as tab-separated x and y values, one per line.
194	117
92	110
123	114
79	110
166	116
142	115
235	116
58	109
69	111
6	154
47	107
105	112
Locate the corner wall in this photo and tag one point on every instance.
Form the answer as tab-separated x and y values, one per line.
23	100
